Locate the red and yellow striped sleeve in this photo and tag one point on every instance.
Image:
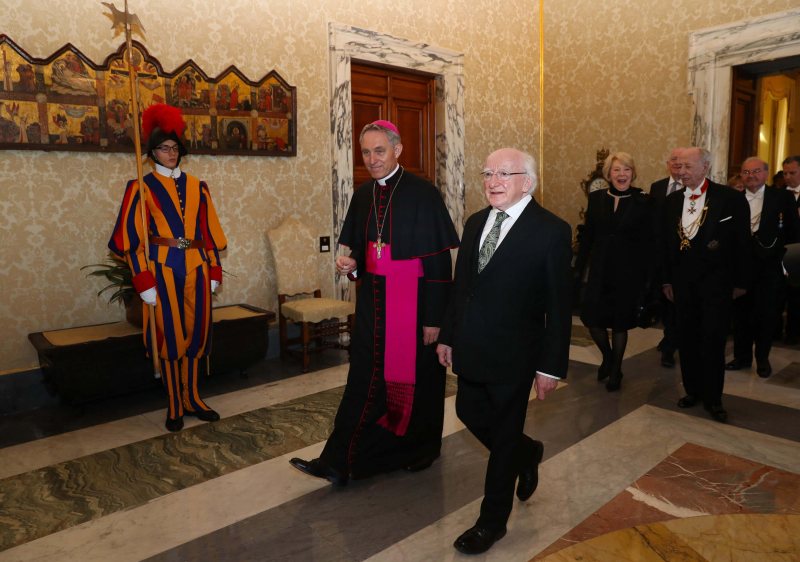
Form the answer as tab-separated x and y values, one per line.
212	233
127	241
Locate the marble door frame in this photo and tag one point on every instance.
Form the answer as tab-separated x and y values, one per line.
712	53
347	43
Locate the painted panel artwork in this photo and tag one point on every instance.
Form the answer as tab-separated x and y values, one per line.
67	102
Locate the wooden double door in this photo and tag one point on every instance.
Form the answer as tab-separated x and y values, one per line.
407	100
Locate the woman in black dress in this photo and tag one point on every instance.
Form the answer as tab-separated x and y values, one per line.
619	237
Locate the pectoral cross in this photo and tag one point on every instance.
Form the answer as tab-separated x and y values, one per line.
379	245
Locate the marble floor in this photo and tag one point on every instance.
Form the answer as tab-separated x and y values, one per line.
625	476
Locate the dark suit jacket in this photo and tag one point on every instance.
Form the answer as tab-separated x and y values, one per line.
513	318
721	250
780	225
659	189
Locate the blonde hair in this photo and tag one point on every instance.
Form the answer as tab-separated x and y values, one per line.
625	159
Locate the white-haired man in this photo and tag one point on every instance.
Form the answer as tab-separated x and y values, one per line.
508	323
773	224
706	251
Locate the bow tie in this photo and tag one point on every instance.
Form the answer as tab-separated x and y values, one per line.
757	195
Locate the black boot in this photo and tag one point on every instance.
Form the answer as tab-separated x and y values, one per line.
174	424
615	382
204	415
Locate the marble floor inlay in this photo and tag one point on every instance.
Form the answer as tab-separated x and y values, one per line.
748	537
693	481
43	501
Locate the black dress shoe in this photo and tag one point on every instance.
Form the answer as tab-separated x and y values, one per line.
318	470
203	415
614	383
717	412
668	359
736	365
174	424
764	369
687	401
604	370
477	540
529	476
423	463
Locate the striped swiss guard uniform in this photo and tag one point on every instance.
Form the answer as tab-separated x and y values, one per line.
178	206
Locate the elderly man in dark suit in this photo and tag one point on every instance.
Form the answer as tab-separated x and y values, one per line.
706	265
512	273
773	224
659	190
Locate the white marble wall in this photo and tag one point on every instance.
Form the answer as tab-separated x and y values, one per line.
712	53
347	43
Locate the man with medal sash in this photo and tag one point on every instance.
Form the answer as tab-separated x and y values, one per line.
706	264
400	234
773	224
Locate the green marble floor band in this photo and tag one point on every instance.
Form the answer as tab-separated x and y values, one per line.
44	501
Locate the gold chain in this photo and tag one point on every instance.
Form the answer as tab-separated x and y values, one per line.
686	233
754	223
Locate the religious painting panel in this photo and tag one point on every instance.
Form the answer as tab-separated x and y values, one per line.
68	102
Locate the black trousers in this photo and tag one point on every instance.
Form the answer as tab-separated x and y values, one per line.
669	342
495	414
792	311
704	310
757	313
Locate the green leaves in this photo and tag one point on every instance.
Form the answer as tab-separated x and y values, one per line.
119	274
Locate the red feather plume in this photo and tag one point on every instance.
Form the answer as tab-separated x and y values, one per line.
165	117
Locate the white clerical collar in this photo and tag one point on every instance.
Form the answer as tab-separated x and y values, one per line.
515	210
757	195
697	191
166	172
382	181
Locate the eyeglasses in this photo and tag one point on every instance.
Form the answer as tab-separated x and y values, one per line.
167	149
502	176
748	172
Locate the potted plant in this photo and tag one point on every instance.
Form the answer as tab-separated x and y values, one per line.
119	274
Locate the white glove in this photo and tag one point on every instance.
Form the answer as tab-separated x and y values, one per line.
149	296
214	285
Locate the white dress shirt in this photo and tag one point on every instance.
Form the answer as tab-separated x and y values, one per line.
513	213
672	182
795	191
687	217
756	201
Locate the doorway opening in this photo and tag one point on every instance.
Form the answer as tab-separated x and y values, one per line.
763	113
407	99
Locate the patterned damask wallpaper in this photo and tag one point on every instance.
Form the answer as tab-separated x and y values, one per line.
616	77
57	209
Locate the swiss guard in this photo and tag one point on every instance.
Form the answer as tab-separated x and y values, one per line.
185	240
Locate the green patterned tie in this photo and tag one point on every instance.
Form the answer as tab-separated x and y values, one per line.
487	250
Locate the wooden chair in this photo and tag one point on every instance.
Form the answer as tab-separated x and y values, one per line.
295	250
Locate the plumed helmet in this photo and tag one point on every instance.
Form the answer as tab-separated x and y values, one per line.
163	122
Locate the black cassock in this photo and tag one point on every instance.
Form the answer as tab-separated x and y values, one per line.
417	225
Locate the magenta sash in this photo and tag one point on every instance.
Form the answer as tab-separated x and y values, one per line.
400	351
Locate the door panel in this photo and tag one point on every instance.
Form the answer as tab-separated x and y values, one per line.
412	119
366	109
743	126
405	99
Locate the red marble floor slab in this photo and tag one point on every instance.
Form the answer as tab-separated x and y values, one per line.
692	482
